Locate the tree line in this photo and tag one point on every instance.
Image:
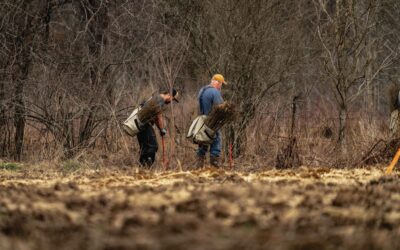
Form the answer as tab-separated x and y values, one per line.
71	70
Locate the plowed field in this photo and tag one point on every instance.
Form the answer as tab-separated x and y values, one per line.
306	208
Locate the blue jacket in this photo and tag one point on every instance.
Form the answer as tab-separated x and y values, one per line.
208	97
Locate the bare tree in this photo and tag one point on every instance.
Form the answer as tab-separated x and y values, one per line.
344	29
22	22
111	48
252	43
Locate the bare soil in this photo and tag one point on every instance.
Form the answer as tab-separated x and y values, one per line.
305	208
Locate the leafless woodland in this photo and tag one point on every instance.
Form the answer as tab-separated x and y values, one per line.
315	85
310	76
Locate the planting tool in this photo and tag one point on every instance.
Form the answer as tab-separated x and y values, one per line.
393	163
163	152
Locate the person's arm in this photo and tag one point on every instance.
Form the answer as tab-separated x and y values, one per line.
160	124
217	98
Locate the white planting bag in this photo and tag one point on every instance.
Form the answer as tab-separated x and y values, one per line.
199	133
132	125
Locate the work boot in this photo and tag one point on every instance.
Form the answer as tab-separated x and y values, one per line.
214	161
146	163
200	161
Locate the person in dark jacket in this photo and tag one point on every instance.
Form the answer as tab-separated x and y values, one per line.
147	137
209	96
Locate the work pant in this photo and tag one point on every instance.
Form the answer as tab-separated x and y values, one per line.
148	145
215	147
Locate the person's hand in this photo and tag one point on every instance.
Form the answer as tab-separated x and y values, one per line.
163	131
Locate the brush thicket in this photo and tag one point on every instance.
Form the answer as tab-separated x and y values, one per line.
149	111
220	115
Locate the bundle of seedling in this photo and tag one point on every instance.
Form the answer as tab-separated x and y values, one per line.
142	115
149	111
220	115
204	128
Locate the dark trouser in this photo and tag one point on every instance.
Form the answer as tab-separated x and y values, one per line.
215	147
148	145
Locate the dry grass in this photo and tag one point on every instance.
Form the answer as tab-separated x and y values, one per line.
266	134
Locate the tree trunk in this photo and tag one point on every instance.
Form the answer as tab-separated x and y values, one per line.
19	119
23	47
342	127
3	119
19	105
97	18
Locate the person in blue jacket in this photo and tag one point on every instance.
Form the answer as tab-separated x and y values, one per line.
209	96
